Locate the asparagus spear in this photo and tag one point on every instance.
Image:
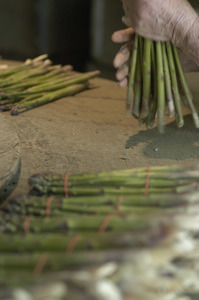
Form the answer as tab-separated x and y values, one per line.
59	84
132	182
153	105
185	87
132	76
57	242
37	82
160	88
68	91
103	205
168	87
66	223
137	88
146	72
165	68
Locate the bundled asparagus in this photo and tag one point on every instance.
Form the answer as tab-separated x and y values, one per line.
37	82
158	81
132	232
138	182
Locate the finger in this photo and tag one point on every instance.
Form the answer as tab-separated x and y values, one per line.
123	36
123	83
122	73
122	56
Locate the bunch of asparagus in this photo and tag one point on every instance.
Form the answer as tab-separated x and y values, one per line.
37	82
159	83
133	233
135	183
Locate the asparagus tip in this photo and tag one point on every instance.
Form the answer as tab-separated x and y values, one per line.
14	111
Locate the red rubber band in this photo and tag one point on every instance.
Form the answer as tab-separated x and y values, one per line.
66	185
27	224
147	182
48	203
72	243
108	217
40	265
120	199
105	223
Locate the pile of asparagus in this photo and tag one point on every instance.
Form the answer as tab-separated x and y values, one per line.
131	233
159	84
37	82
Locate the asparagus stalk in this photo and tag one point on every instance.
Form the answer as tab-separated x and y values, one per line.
29	73
165	64
169	94
160	88
185	87
132	76
57	242
50	79
101	190
153	106
146	79
68	91
138	85
130	182
176	94
154	205
128	203
16	223
60	84
38	82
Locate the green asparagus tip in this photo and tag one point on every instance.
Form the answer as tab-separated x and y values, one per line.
4	107
14	112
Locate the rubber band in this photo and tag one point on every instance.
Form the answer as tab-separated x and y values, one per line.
48	203
147	182
105	223
72	243
27	224
66	185
120	199
108	217
40	265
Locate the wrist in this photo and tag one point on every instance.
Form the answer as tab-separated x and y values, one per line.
190	41
183	27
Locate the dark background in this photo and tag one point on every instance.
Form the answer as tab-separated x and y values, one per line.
76	32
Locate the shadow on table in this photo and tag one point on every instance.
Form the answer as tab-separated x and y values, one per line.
175	143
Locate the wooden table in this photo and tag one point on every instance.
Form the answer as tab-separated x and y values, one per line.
90	132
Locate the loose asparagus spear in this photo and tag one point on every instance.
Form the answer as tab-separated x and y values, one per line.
68	91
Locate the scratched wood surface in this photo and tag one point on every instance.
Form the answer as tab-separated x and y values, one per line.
90	132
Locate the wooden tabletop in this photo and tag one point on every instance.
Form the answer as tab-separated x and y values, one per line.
90	132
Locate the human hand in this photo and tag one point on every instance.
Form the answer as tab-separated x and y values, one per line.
122	59
168	20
